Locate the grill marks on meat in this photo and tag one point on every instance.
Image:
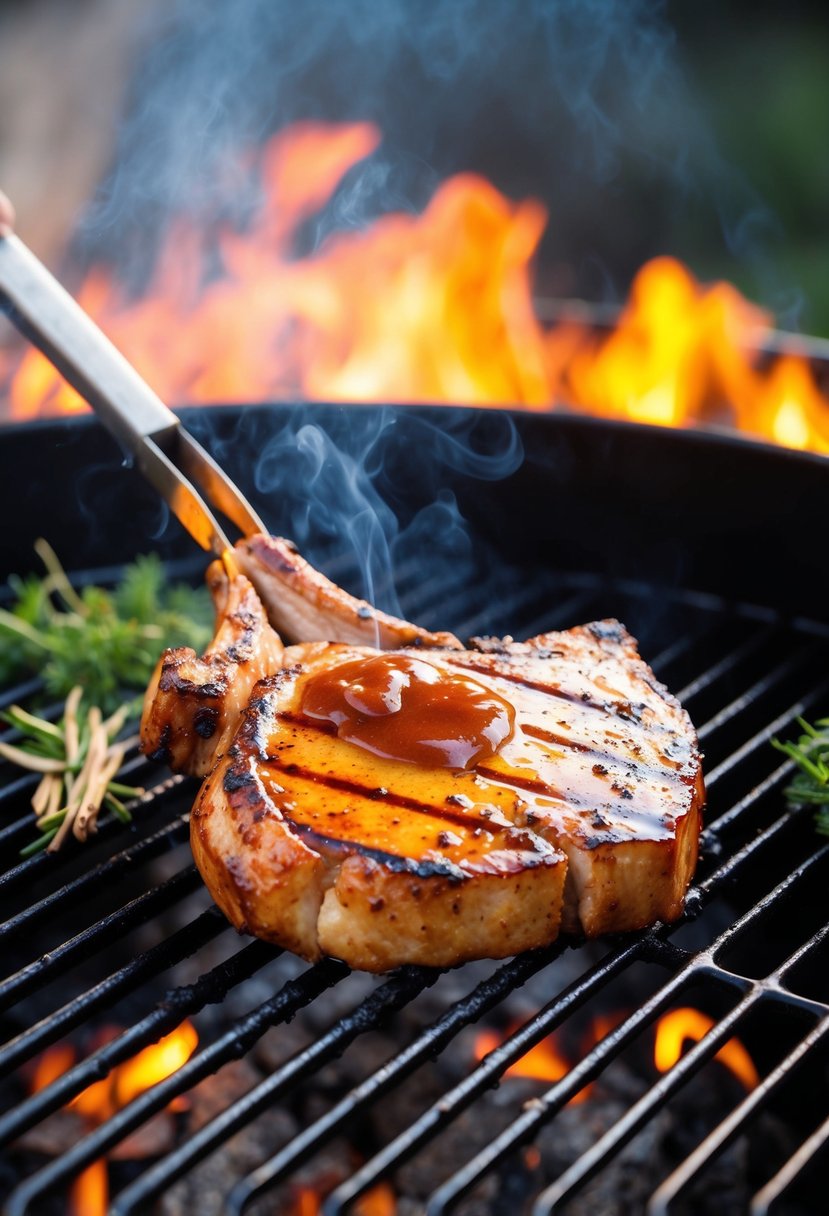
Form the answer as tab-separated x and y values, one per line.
399	863
610	768
586	819
405	863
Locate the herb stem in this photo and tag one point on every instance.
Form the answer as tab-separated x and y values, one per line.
57	577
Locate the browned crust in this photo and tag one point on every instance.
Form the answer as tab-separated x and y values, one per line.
316	894
629	885
372	911
265	880
615	884
304	606
193	705
377	919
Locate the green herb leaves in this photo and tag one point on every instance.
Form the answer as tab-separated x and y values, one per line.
811	755
100	645
107	641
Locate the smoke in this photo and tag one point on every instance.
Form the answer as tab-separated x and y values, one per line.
581	102
373	485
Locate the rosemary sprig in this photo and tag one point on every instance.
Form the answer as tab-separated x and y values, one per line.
811	755
78	758
105	640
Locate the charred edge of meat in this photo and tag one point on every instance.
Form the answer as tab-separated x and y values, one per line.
193	705
303	605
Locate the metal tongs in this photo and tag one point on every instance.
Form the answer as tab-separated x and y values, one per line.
181	470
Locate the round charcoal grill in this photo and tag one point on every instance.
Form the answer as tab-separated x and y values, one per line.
699	544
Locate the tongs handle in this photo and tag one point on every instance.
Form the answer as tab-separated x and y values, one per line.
164	452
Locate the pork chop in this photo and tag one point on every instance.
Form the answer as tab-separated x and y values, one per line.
328	848
428	804
320	831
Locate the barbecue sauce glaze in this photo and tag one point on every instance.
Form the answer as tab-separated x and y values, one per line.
402	708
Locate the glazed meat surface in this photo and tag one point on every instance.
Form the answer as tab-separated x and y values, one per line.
586	817
325	848
609	767
426	804
193	705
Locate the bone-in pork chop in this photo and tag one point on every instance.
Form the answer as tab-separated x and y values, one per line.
430	804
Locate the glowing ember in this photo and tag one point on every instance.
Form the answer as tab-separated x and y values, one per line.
543	1062
430	308
532	1157
306	1202
51	1065
154	1063
377	1201
681	1026
89	1195
546	1061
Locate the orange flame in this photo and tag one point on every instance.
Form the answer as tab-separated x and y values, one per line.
89	1195
306	1201
682	1026
377	1201
436	307
546	1060
543	1062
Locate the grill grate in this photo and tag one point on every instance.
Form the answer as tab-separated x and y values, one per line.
743	673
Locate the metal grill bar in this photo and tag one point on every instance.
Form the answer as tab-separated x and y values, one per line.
778	724
523	1128
231	1045
494	1065
560	615
21	692
24	872
727	663
24	825
734	1124
784	1178
371	1013
487	1073
636	1118
732	865
137	912
754	694
116	866
675	650
515	607
181	1002
711	834
152	962
460	1015
293	1154
12	791
712	634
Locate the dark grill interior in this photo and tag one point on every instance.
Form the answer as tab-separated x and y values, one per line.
121	934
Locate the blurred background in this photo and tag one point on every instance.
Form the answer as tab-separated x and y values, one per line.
695	130
700	130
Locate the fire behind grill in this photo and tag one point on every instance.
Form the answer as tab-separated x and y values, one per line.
121	932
